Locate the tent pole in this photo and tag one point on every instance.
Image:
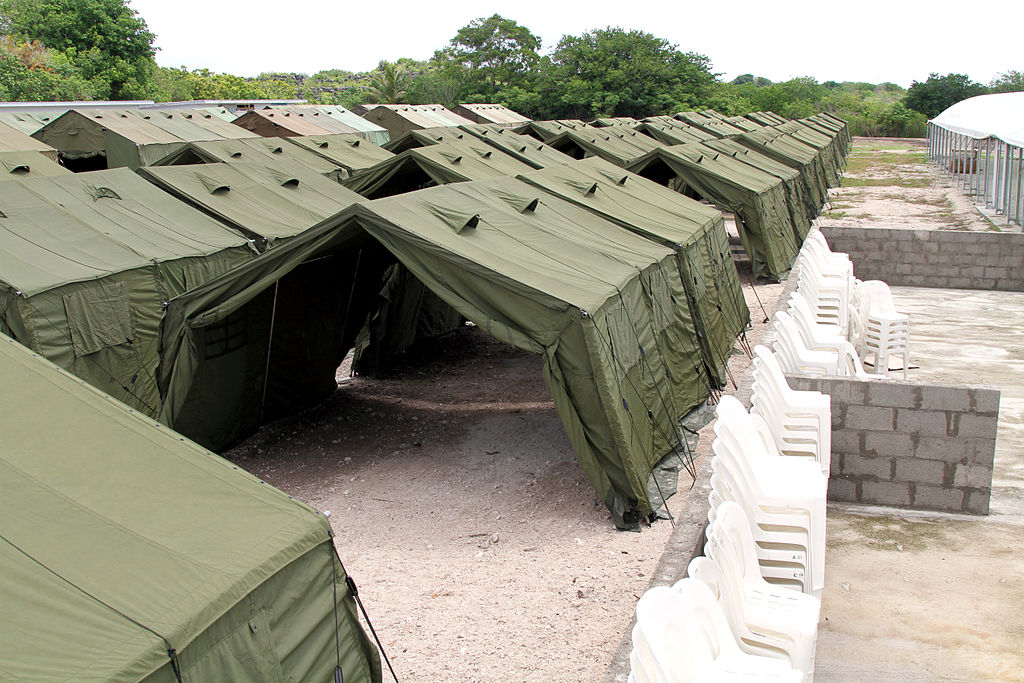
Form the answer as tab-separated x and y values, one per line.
270	344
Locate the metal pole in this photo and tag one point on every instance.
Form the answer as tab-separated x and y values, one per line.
270	343
1007	151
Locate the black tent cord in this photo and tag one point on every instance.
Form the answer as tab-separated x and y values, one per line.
172	654
355	594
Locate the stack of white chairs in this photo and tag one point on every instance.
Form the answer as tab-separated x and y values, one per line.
783	497
800	421
831	303
879	330
767	620
682	636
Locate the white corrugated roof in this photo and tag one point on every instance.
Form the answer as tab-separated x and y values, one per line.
998	116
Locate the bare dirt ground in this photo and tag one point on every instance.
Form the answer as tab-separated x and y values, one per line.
889	183
480	548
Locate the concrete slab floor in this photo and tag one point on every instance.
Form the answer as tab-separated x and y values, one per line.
914	596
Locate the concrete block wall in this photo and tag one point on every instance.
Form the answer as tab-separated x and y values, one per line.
949	259
910	444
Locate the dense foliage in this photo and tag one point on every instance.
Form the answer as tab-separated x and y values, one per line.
101	49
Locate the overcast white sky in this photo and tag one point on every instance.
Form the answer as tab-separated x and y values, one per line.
866	40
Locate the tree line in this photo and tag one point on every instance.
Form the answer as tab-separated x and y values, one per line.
102	49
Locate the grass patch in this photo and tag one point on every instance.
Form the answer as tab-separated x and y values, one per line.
886	182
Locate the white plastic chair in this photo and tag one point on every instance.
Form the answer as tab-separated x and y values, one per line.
823	337
766	620
784	498
800	421
886	332
794	354
689	640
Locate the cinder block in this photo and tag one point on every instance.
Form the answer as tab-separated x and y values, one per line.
980	452
958	283
942	448
996	272
885	493
972	476
977	501
893	394
938	498
845	391
870	417
846	441
841	489
937	397
861	466
986	400
888	444
920	471
973	425
913	421
974	272
984	283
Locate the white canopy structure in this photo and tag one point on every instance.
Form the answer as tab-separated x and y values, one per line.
980	141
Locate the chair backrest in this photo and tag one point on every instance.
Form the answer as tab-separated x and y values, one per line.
735	542
667	629
793	352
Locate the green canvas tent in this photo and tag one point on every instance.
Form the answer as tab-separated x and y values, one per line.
28	122
422	137
605	308
130	554
790	151
674	133
265	151
118	138
438	164
743	123
527	149
545	130
757	198
371	132
15	165
617	145
520	147
801	208
612	121
710	124
399	119
765	118
13	140
827	147
350	151
278	122
695	231
195	124
495	114
265	203
87	262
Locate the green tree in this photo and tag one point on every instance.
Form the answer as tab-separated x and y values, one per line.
491	54
31	72
613	72
938	93
105	39
388	84
1011	81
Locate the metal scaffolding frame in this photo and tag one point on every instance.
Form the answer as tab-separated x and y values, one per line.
989	169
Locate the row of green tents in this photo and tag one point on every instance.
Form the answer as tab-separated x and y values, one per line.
218	289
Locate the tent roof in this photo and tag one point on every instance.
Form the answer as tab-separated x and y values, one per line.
545	130
999	115
62	229
677	133
27	122
527	149
344	116
15	165
316	117
259	200
257	150
196	124
490	113
614	144
614	193
442	163
710	124
13	140
425	115
115	529
121	122
282	121
350	150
